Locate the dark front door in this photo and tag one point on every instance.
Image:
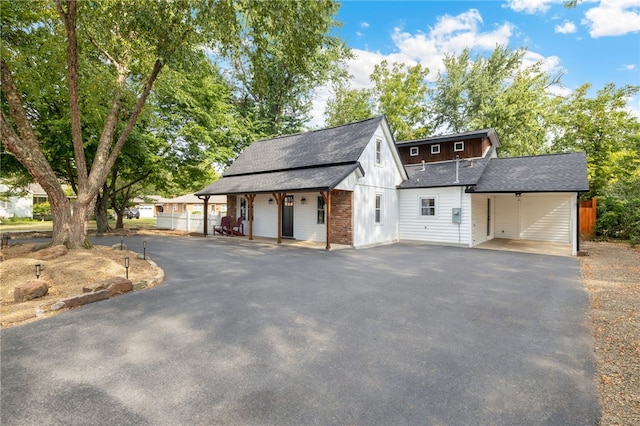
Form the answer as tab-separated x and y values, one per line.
287	217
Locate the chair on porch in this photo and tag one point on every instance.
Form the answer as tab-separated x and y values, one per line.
238	228
224	227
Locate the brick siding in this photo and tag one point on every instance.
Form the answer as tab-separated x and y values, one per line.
341	231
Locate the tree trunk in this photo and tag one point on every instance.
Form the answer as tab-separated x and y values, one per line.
102	213
120	219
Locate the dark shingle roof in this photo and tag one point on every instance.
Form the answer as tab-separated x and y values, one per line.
444	173
336	145
306	179
541	173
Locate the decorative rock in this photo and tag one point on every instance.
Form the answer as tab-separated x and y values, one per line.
58	305
50	253
115	286
117	246
32	289
83	299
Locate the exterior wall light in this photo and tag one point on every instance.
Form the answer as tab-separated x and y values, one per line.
270	200
303	200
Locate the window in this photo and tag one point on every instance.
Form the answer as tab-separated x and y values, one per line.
378	151
435	149
378	208
458	146
414	150
427	206
243	208
320	210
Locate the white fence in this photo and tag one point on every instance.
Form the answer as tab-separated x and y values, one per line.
186	221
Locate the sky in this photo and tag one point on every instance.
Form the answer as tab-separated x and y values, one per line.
597	42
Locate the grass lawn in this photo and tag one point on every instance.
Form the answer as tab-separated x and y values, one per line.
23	224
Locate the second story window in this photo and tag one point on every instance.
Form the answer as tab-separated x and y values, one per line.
378	151
414	150
435	149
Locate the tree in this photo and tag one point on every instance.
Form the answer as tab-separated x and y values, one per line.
399	93
605	130
127	44
495	92
347	105
291	53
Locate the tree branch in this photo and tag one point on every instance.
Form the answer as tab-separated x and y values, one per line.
69	19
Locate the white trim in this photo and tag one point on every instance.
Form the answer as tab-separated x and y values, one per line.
435	148
414	151
435	206
456	149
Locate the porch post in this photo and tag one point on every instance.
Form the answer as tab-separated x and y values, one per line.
279	197
206	213
327	208
251	198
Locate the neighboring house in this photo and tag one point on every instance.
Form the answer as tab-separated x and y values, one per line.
15	206
149	205
192	204
354	185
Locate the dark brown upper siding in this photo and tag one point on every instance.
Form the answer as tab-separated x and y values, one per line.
473	148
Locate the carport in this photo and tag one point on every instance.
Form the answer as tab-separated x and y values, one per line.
536	203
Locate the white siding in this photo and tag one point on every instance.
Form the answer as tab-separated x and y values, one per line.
506	217
305	226
479	225
546	218
265	217
378	179
539	216
439	228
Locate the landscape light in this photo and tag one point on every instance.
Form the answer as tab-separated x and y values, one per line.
144	249
38	270
121	241
126	267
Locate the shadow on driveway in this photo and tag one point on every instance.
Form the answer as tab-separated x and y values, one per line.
244	333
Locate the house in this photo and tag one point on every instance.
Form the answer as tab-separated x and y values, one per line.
191	204
149	205
15	205
354	185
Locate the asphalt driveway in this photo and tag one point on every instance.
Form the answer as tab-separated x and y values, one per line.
244	333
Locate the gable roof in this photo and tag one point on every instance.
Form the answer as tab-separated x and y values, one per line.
443	173
489	133
332	146
317	160
540	173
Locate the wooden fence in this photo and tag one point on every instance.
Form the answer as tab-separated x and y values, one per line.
588	218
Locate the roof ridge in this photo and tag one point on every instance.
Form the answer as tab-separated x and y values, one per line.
549	154
318	130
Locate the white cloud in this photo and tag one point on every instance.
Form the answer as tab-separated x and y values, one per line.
567	27
613	18
627	67
450	35
530	6
364	25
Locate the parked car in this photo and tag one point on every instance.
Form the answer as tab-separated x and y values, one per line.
133	213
